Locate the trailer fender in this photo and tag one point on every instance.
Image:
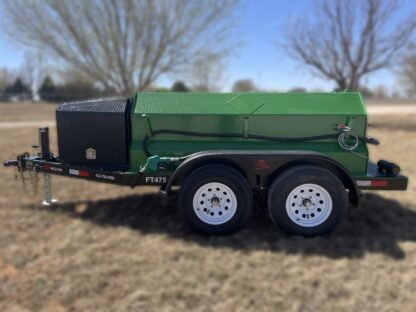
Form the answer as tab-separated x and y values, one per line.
260	168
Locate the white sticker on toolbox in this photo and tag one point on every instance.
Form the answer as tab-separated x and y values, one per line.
91	153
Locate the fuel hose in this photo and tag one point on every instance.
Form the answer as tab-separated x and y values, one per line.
340	136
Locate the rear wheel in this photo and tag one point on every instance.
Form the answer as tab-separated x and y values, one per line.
307	200
216	199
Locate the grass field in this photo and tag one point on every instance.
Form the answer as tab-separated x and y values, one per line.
106	248
27	111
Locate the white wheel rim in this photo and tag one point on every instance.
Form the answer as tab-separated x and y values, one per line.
215	203
309	205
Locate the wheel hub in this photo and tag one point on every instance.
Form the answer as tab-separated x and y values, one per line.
215	203
309	205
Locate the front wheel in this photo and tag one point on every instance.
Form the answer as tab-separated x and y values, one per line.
216	199
307	200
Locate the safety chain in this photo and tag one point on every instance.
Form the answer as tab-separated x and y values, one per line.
32	178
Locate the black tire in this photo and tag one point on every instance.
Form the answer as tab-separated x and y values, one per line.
236	190
311	208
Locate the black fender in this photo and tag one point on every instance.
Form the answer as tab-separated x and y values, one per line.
260	168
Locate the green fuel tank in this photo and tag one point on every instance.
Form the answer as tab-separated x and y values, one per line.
178	124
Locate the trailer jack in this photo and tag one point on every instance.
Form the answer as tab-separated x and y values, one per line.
48	200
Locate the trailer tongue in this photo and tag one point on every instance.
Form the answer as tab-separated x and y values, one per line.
307	150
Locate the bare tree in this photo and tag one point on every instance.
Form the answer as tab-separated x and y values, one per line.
207	72
122	44
33	72
407	69
381	92
244	85
345	40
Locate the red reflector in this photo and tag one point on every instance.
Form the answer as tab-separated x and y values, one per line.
261	164
46	167
84	174
379	183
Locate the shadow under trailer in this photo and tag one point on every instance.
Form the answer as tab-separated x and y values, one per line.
308	151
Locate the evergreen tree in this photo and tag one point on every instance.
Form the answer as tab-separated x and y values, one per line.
17	88
179	86
47	90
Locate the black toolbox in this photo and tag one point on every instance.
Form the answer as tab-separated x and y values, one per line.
95	132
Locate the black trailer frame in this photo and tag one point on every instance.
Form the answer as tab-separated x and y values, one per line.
257	166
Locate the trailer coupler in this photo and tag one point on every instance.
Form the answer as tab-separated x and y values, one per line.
24	163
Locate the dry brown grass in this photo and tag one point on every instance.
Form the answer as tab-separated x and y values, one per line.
390	101
27	111
106	248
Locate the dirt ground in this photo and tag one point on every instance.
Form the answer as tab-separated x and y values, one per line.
107	248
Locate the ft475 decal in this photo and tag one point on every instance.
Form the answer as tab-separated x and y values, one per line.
156	180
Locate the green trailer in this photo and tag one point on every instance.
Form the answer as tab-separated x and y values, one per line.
307	151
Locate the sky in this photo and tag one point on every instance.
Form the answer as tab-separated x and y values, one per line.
261	24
